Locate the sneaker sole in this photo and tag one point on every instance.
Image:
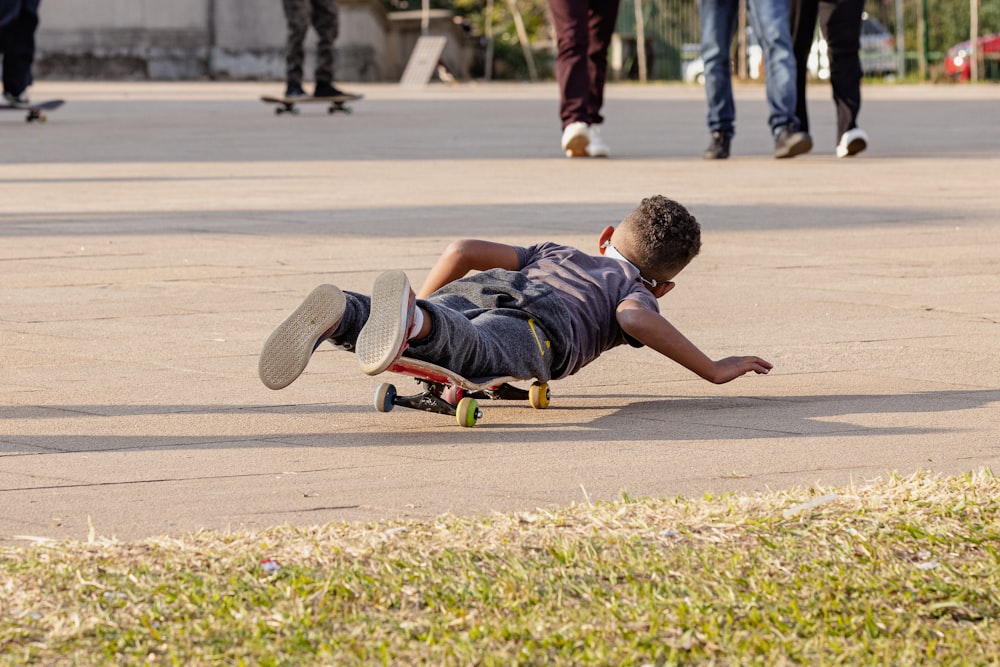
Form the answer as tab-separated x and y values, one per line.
577	146
383	338
287	351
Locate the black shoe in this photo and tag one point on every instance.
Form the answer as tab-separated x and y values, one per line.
294	89
718	149
791	141
328	90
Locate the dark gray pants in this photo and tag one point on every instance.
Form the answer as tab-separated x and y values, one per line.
322	14
17	50
840	23
492	324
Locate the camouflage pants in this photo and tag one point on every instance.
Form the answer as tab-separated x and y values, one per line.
323	16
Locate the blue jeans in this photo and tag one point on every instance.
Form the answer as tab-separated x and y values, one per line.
769	20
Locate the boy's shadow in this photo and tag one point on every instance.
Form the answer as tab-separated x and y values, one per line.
654	419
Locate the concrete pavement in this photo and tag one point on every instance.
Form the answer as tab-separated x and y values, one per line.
152	234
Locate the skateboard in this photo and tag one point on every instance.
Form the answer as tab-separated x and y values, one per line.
291	104
449	393
36	110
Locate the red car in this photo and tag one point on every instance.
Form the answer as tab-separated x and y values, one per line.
957	62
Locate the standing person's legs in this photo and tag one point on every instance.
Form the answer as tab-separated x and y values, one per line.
18	39
803	26
770	21
297	18
324	20
601	26
840	21
718	25
571	19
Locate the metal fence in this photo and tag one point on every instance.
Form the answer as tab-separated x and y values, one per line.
918	37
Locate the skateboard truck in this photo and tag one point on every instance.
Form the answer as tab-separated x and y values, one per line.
457	402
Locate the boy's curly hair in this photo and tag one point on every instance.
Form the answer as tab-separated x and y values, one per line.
663	236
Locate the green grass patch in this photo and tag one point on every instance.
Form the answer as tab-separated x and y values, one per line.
902	571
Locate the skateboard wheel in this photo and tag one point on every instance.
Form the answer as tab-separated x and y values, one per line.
538	395
467	412
384	395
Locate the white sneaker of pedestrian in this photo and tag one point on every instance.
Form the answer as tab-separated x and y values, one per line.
575	139
852	142
597	146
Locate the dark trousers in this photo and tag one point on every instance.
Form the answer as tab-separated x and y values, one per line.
583	34
17	47
299	14
840	23
490	324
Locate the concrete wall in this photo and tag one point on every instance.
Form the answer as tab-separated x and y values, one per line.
459	52
187	39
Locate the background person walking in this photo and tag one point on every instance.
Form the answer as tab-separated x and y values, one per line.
583	35
840	24
768	20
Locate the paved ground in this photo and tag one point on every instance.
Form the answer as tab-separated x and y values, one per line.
151	235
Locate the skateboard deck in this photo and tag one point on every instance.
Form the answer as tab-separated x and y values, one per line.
34	110
291	104
448	393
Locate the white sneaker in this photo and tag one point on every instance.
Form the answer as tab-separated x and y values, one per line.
289	347
597	146
575	139
852	142
384	336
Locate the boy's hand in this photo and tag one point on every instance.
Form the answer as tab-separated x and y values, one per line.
731	368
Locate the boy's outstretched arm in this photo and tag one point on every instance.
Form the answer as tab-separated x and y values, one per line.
466	255
654	331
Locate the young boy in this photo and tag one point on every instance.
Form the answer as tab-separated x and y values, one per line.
541	312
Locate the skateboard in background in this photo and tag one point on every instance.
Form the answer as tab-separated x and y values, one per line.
292	104
34	110
449	393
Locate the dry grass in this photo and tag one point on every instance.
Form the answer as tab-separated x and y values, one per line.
902	571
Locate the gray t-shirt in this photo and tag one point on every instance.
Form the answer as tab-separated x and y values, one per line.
591	287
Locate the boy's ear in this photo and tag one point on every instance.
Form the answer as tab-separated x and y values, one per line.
605	238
